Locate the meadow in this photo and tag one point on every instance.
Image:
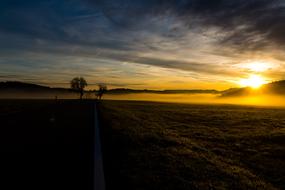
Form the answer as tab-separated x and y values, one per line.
151	145
46	144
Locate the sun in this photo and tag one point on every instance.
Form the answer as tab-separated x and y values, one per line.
254	81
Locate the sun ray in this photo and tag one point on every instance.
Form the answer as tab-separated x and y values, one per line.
254	81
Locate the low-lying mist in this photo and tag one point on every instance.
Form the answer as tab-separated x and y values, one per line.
259	100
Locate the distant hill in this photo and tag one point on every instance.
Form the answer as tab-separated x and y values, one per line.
199	91
15	89
20	85
277	88
128	91
11	87
27	87
15	86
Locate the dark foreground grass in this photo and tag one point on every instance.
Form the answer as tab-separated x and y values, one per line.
175	146
46	144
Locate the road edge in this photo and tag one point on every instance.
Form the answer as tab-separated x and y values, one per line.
99	179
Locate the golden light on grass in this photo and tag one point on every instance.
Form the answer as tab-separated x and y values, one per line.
254	81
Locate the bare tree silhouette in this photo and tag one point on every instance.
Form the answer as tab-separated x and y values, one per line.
102	89
78	84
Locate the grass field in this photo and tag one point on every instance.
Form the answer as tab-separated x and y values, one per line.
46	144
149	145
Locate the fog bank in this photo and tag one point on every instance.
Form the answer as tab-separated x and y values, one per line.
259	100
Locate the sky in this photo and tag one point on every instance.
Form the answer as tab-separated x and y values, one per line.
153	44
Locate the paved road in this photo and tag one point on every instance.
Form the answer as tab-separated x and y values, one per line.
99	181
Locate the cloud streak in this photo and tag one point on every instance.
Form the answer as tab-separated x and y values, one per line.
202	37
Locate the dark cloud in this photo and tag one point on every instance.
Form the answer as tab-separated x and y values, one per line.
247	23
251	24
198	67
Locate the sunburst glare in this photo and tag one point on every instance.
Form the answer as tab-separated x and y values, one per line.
254	81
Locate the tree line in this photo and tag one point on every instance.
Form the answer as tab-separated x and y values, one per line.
78	84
